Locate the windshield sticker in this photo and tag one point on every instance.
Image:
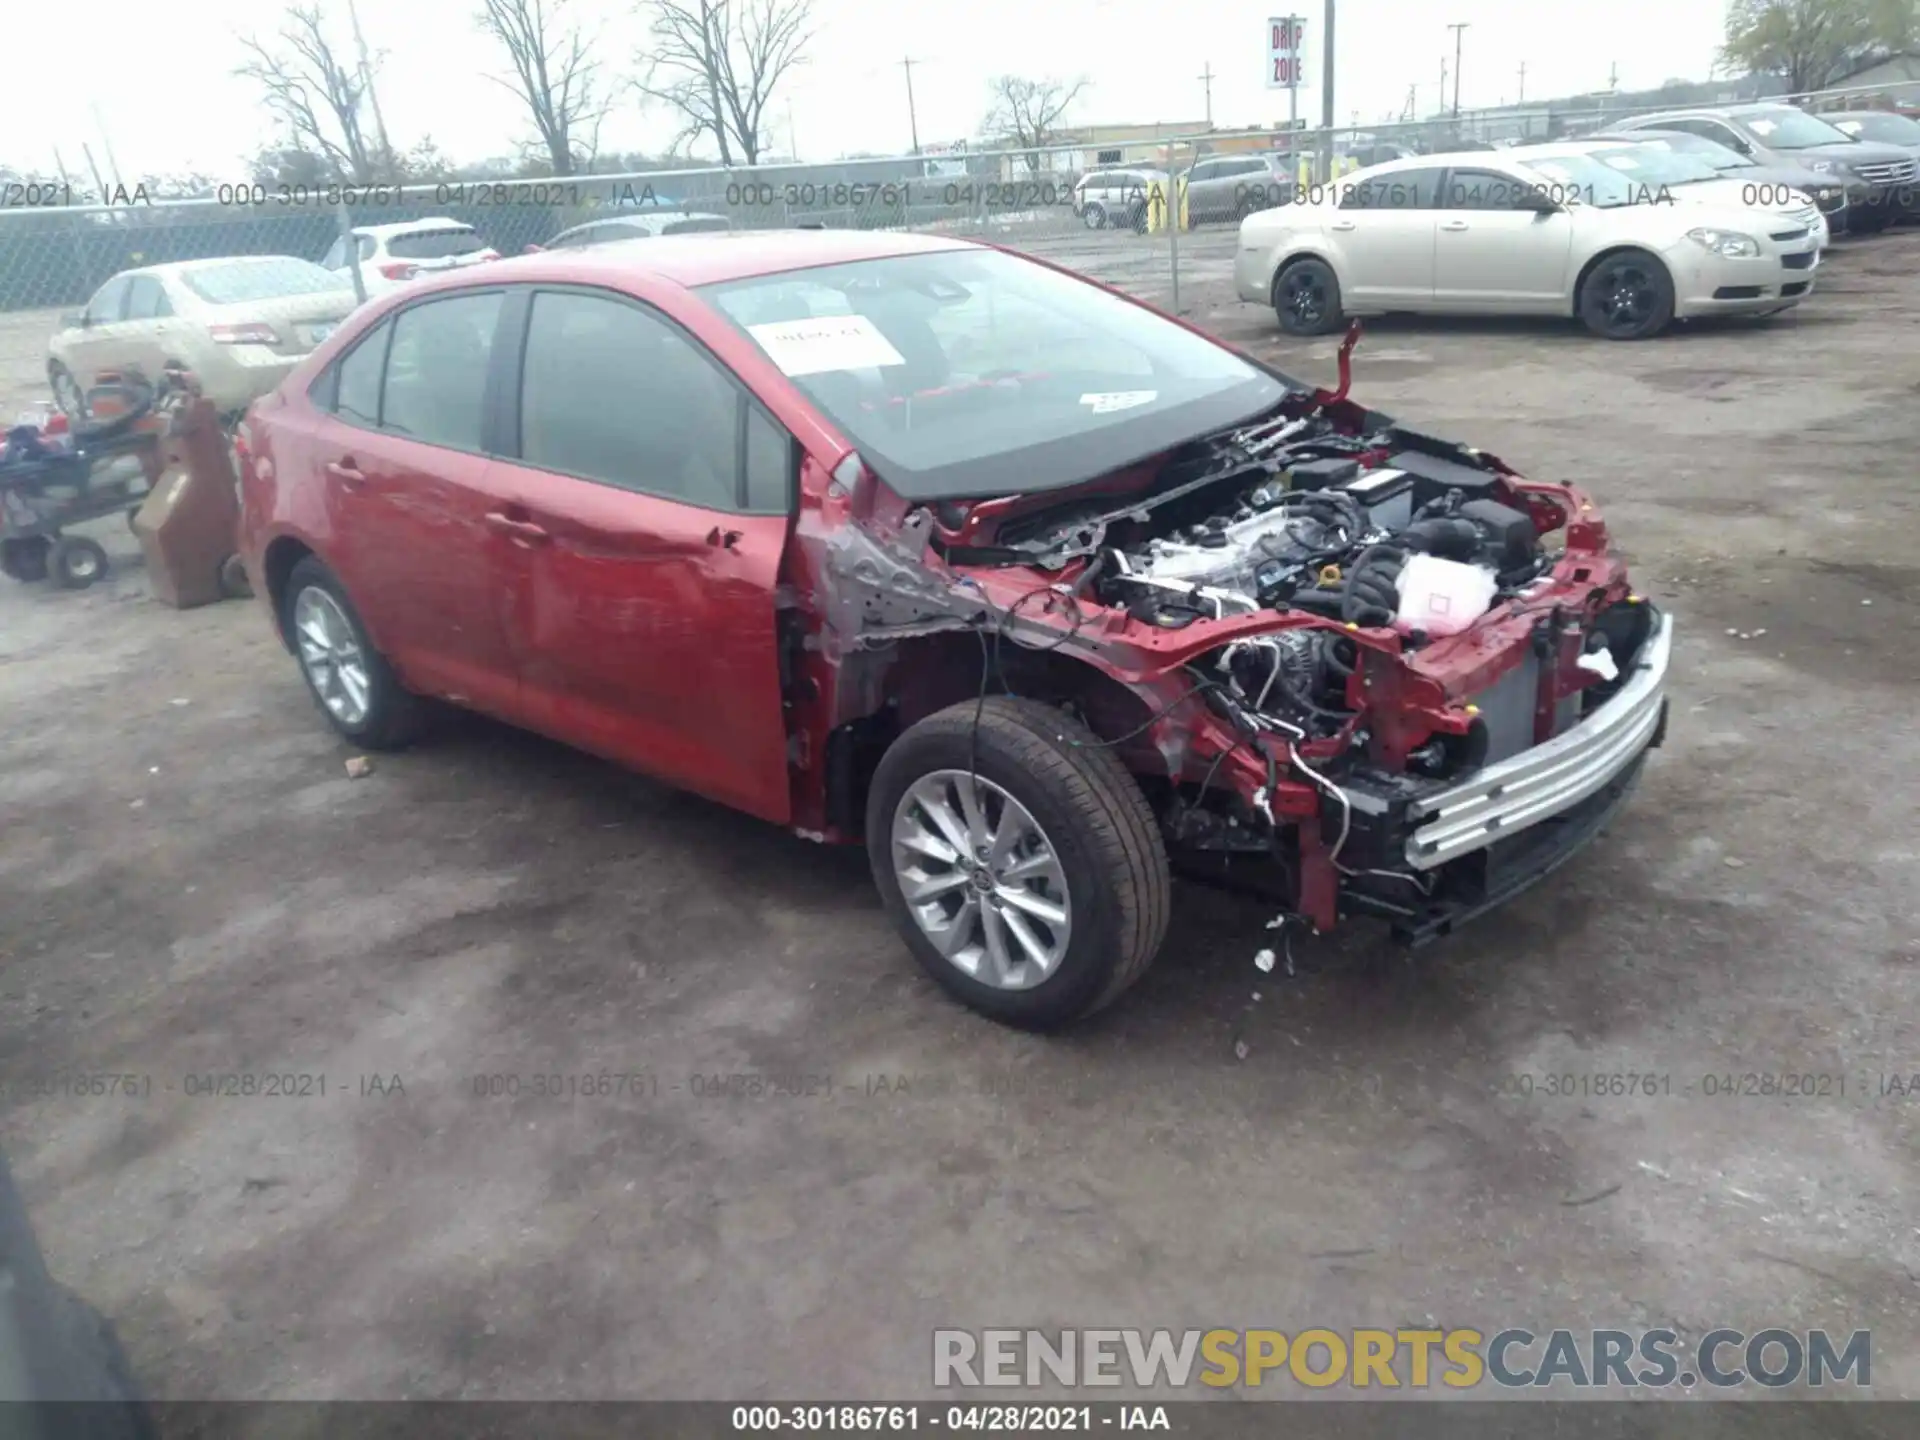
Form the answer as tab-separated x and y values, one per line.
1110	401
1762	127
831	342
1621	162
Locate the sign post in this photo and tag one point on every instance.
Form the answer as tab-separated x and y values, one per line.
1283	67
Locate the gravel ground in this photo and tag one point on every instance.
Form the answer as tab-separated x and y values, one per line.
191	884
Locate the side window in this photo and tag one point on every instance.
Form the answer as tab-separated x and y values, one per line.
611	392
106	305
437	370
1206	170
1397	190
1485	190
367	247
769	465
146	299
356	393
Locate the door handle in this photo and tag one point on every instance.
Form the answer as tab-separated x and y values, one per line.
1454	225
347	471
524	532
725	539
1341	225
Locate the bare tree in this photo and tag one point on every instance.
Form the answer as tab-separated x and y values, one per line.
1027	112
553	74
718	62
315	93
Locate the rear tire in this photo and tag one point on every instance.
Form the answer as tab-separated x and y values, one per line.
351	682
1094	218
1306	298
24	558
1628	295
1078	825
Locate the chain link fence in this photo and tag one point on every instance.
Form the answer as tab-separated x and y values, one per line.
1149	214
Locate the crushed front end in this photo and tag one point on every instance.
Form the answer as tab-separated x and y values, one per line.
1374	673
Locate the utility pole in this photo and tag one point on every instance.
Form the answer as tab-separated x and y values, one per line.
1459	29
366	84
913	120
1326	93
106	143
1613	76
793	143
1442	109
1206	79
1521	98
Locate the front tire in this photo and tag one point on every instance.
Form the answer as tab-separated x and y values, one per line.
1094	218
351	682
67	393
1021	864
24	557
1627	296
1306	298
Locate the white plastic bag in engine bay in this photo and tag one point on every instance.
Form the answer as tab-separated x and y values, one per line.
1443	597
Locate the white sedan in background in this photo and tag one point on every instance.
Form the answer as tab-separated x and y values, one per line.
1659	170
1502	233
239	323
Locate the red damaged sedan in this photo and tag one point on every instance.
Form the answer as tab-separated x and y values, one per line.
912	542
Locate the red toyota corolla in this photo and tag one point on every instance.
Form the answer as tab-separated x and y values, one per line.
909	541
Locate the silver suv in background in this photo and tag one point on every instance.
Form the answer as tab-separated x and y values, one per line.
1116	199
1880	179
1228	188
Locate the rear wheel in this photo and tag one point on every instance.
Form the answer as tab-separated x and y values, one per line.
24	558
1627	296
1094	218
354	686
1306	297
1020	863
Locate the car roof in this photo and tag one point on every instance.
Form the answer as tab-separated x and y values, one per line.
407	227
170	268
711	257
646	220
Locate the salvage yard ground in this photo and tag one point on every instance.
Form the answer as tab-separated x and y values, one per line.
192	885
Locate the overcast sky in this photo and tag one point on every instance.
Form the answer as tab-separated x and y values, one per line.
163	94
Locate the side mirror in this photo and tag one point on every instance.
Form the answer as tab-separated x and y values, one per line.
74	320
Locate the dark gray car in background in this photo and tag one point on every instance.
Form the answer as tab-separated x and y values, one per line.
1827	191
1880	179
1882	127
1224	189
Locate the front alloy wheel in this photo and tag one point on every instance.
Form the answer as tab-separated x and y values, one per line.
981	879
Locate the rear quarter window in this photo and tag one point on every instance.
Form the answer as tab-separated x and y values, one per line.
434	244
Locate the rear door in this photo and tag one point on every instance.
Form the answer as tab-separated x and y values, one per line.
1384	230
656	494
150	335
424	545
1493	251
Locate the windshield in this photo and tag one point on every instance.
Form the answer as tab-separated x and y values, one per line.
1586	180
1891	129
1784	128
697	225
234	282
1649	165
434	244
1698	147
971	373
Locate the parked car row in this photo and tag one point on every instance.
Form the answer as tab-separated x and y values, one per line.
240	323
1626	237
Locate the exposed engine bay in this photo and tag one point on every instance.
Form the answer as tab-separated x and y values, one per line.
1294	516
